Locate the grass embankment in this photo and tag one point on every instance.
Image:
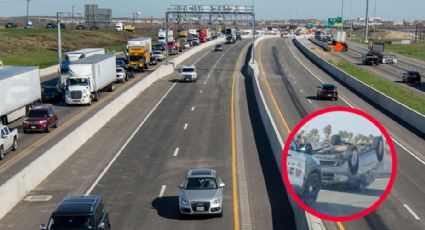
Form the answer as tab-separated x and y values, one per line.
387	87
39	46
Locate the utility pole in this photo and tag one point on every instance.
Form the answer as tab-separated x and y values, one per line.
28	10
367	22
342	9
58	18
73	16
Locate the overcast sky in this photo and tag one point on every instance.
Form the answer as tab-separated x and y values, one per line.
265	9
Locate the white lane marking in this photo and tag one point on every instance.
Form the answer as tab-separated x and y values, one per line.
161	193
176	152
128	141
215	65
301	91
185	126
201	58
200	91
309	101
411	212
193	108
349	104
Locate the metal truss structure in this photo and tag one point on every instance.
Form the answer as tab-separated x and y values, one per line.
210	15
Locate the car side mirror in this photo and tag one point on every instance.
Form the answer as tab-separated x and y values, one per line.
222	185
43	227
181	185
101	225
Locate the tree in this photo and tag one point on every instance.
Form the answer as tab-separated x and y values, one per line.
327	130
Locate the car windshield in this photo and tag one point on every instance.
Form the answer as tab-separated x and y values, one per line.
328	87
78	81
37	113
136	58
157	52
188	70
120	62
70	222
120	70
201	183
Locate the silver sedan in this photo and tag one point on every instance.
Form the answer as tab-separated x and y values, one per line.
201	193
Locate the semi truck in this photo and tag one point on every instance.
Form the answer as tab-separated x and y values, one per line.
162	36
139	53
174	47
74	56
378	49
203	35
20	90
230	35
88	77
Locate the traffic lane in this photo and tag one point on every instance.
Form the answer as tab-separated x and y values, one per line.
32	145
76	174
394	206
269	209
152	160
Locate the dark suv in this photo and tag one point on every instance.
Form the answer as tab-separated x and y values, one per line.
40	118
10	25
327	91
79	212
412	76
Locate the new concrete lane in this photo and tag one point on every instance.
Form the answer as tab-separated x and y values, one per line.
140	189
393	214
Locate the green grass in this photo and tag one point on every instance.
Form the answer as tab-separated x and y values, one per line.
115	48
398	93
42	59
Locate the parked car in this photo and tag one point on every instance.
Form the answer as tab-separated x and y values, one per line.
325	91
412	76
40	118
353	165
218	47
8	140
304	172
10	25
79	212
188	73
81	27
50	93
201	193
121	75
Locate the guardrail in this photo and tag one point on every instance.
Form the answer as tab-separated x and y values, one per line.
321	44
402	112
303	220
17	187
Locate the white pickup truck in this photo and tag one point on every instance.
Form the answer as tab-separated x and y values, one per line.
8	140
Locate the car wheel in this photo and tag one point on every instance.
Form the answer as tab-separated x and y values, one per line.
48	129
1	153
55	125
311	189
221	213
353	159
15	144
335	139
378	145
318	97
182	216
404	80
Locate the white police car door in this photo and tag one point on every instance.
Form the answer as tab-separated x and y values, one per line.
296	165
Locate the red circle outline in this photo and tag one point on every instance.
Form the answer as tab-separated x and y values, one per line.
356	215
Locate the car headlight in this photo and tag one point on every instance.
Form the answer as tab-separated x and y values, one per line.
216	201
184	202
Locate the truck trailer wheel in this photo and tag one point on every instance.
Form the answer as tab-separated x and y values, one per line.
378	145
311	189
353	159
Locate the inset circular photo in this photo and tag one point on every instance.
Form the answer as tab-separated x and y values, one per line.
339	164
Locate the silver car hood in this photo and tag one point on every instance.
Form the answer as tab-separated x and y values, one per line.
201	195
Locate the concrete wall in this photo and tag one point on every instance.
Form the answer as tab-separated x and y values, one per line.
17	187
392	106
303	220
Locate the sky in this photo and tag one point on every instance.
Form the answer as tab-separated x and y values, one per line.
342	121
264	9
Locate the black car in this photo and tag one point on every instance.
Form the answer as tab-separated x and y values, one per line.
10	25
327	91
81	27
50	93
51	25
218	47
412	76
370	59
79	212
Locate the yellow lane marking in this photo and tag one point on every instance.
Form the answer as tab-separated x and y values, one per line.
66	124
282	118
234	169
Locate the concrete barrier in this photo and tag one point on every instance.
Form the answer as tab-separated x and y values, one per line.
402	112
49	70
303	220
17	187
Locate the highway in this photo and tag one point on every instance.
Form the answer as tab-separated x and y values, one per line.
289	81
136	161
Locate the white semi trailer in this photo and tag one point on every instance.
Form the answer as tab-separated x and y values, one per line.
20	90
88	77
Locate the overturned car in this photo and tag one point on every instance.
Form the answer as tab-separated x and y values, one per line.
355	165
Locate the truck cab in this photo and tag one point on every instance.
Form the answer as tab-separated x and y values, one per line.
8	140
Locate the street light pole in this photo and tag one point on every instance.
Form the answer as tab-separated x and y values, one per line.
59	38
342	10
367	22
28	10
